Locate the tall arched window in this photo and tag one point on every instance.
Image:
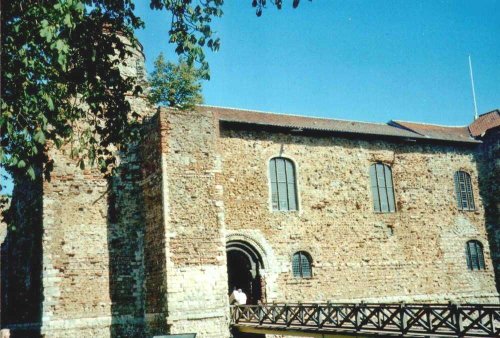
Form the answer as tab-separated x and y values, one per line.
382	188
474	255
283	184
301	265
463	191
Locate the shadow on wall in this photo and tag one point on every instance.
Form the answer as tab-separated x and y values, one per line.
489	185
22	288
21	261
125	229
237	334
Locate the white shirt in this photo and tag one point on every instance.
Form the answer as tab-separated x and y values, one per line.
238	297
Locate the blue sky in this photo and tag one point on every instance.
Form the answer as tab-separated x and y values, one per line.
361	60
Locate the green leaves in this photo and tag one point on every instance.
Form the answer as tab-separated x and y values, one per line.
191	29
31	173
59	71
175	85
261	4
39	137
50	102
67	20
47	30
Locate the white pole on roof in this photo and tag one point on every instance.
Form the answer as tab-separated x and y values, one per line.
473	91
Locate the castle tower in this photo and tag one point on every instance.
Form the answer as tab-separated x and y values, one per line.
184	250
72	261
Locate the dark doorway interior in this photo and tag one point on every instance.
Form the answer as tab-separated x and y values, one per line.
239	272
237	334
243	268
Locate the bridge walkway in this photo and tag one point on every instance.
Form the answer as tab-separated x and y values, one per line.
398	320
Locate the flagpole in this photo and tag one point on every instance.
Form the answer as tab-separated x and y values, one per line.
473	91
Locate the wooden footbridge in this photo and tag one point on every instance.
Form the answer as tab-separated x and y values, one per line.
399	320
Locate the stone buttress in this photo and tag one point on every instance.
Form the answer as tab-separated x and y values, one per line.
185	257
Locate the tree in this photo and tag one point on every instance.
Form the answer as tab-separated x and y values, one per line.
59	68
175	85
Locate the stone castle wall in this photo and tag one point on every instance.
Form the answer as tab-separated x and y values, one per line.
154	227
22	258
76	258
78	247
144	252
414	254
489	169
89	266
196	256
92	250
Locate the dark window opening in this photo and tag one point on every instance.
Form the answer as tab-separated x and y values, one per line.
283	184
463	191
301	265
382	188
474	255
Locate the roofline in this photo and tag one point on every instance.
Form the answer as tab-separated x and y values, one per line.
288	114
395	124
487	131
430	124
415	137
497	110
333	119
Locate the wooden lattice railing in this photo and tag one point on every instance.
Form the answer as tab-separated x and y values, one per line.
477	320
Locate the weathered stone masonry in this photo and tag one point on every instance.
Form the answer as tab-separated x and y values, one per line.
144	253
414	254
22	256
487	128
185	253
197	286
154	226
73	256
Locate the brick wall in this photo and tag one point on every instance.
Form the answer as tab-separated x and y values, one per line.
21	258
196	259
93	250
414	254
73	263
154	223
489	169
144	252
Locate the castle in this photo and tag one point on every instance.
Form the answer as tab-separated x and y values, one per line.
288	208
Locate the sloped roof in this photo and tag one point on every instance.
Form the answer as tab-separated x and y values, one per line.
392	129
437	132
485	122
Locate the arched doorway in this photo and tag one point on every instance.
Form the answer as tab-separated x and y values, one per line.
244	265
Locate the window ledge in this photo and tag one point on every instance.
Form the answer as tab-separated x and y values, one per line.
299	280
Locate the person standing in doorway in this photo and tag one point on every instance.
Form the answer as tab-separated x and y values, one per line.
238	297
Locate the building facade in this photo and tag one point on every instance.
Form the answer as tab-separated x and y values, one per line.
287	208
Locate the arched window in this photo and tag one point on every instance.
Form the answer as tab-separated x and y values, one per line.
382	188
301	265
463	191
283	184
474	255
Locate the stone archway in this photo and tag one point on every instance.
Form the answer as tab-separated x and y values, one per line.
244	264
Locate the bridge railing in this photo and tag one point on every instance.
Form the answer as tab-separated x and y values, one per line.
474	320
